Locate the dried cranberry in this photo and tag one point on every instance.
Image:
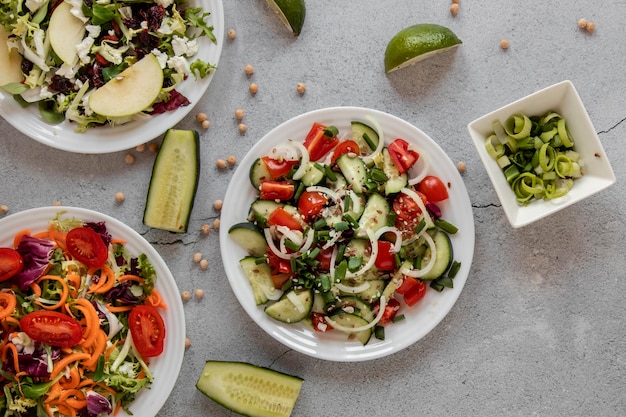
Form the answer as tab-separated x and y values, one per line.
155	16
60	84
26	66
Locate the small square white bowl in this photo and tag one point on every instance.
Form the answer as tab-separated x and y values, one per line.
563	99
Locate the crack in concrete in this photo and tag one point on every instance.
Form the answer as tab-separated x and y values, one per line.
481	206
612	127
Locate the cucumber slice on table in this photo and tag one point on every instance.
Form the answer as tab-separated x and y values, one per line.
174	182
250	390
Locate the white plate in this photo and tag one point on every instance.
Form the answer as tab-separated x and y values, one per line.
165	367
421	318
107	139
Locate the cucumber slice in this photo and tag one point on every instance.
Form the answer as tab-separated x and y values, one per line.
352	320
312	175
358	306
365	136
250	237
260	277
395	181
443	257
258	173
354	170
375	215
286	311
261	209
174	182
373	293
248	389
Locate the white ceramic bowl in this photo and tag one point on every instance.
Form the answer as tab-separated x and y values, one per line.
563	99
421	318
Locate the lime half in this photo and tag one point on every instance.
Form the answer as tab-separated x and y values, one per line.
290	12
416	43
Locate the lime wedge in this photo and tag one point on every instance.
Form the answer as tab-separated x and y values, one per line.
290	12
416	43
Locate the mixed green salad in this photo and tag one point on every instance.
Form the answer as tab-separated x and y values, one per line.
347	230
80	320
68	49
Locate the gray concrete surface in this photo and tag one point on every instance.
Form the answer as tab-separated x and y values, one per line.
539	329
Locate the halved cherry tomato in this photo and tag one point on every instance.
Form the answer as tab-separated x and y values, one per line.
11	263
276	190
412	289
281	217
147	329
52	328
317	143
278	266
401	155
391	310
344	147
324	258
433	188
386	259
311	203
407	212
278	169
86	246
319	323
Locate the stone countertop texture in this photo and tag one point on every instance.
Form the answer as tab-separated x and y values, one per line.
539	329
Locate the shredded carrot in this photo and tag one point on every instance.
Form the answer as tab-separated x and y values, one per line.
117	241
155	300
110	350
118	407
64	292
107	279
13	349
129	277
61	364
35	288
92	320
118	309
72	382
57	237
18	237
98	349
8	302
74	281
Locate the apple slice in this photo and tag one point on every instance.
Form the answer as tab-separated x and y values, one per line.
10	61
65	31
132	91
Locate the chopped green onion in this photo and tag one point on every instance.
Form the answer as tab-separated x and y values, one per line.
446	226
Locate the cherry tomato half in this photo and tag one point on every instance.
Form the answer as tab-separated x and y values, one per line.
319	323
318	143
311	203
276	190
281	217
407	212
86	246
412	289
147	329
347	146
11	263
278	169
433	188
401	155
51	327
386	259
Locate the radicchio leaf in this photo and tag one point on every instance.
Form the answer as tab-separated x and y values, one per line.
36	255
97	404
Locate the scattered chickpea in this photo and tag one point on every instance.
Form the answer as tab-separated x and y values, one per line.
220	164
201	117
455	1
154	147
582	23
199	292
4	209
239	113
461	166
217	204
56	203
248	69
590	26
232	160
205	229
504	44
454	9
242	128
206	124
232	34
197	257
187	343
119	197
204	264
216	223
185	296
140	148
129	159
301	88
253	88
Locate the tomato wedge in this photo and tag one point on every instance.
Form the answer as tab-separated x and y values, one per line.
147	329
401	155
276	190
52	328
407	212
86	246
11	263
433	188
412	289
311	203
386	258
318	142
281	217
278	169
344	147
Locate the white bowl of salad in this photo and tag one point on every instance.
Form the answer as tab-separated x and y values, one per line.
92	321
541	153
347	234
104	76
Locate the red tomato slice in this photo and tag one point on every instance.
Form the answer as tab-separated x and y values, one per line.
391	310
401	155
278	266
324	258
407	212
147	329
317	143
86	246
311	203
386	259
11	263
281	217
280	279
412	289
278	169
319	323
276	190
344	147
52	328
433	188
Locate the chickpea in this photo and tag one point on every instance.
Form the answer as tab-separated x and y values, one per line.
248	69
590	26
301	88
232	160
56	204
461	166
504	44
216	223
454	9
197	257
199	293
253	88
232	34
582	23
140	148
205	229
119	197
154	147
242	128
455	1
185	296
220	164
187	342
204	264
217	204
206	124
201	117
129	159
239	113
4	209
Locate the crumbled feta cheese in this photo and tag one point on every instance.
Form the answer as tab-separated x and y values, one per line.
144	25
67	70
77	10
44	93
178	64
83	49
34	5
93	31
164	3
23	343
183	46
160	56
